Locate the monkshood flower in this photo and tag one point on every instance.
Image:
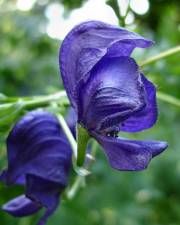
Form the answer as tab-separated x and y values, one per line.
39	157
109	92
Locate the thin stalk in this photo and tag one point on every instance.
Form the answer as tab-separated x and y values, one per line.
37	101
80	180
68	134
81	171
83	138
41	101
169	99
162	55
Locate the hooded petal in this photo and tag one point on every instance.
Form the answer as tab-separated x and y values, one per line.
36	146
113	92
124	154
21	206
146	117
39	157
86	44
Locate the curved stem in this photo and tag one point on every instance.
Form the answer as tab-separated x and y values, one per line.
68	134
161	56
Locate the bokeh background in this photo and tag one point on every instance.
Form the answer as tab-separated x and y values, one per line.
30	35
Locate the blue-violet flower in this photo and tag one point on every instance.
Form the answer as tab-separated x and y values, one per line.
109	92
39	157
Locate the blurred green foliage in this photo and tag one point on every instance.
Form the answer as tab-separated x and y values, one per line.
29	66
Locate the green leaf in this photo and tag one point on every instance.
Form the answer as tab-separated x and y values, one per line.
2	97
9	113
82	141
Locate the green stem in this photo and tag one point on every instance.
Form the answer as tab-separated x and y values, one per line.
41	101
79	170
82	141
161	56
68	134
80	180
169	99
37	101
115	6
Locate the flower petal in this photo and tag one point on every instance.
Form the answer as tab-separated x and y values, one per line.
113	92
36	146
45	192
86	44
71	120
20	180
124	154
39	156
146	117
21	206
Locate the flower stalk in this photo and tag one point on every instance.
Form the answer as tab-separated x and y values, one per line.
36	101
68	134
79	170
162	55
168	98
82	141
80	181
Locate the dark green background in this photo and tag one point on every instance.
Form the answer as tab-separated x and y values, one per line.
29	66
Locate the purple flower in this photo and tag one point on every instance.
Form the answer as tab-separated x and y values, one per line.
39	157
109	92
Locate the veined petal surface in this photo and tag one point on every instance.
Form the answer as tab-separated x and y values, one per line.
86	44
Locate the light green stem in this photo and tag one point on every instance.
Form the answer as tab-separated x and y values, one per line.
80	180
68	134
38	101
78	183
169	99
79	170
83	138
161	56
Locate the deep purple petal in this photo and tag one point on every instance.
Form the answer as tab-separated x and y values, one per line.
45	192
36	145
21	206
113	92
20	180
32	121
3	176
71	120
39	156
146	117
124	154
86	44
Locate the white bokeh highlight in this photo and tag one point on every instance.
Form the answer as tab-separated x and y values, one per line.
25	5
58	27
139	6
